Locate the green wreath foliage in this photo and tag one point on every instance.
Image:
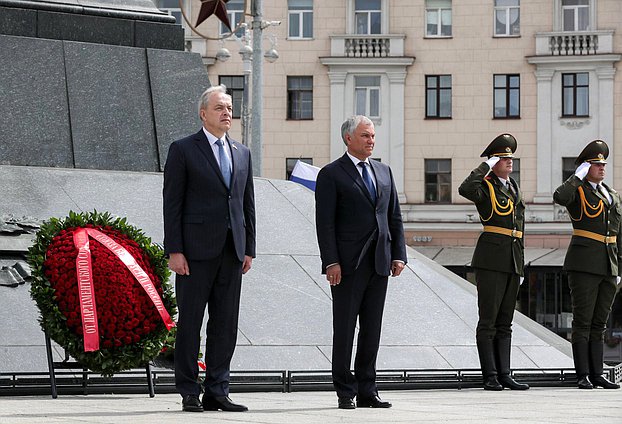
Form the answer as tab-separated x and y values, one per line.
111	359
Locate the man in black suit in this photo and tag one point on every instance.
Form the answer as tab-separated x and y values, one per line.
361	240
498	258
209	235
593	260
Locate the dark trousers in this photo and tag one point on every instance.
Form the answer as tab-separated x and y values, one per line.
496	300
592	298
217	284
361	295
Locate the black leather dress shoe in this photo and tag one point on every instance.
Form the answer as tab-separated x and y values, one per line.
223	403
191	403
346	403
491	383
509	383
372	402
600	381
584	383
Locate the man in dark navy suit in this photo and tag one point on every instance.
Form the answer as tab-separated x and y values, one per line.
361	240
209	235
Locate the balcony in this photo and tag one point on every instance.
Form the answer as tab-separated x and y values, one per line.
581	43
367	46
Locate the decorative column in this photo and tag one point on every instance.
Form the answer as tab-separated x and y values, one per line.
396	129
606	113
544	182
337	111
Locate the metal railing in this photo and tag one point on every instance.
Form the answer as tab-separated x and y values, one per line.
367	46
135	381
580	43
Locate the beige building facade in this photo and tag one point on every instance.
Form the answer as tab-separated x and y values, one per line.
440	79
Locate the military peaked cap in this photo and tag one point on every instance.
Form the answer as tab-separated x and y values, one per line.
596	151
502	146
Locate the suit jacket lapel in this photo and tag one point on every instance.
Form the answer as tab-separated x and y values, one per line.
378	176
236	156
502	188
595	192
204	146
350	169
516	189
613	199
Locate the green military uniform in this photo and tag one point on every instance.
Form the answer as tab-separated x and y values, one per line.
498	262
593	261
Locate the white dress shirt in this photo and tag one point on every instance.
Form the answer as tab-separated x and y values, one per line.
214	145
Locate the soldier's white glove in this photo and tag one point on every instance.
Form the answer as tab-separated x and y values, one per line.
522	280
582	170
492	161
618	278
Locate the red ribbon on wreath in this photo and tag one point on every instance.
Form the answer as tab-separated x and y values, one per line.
85	283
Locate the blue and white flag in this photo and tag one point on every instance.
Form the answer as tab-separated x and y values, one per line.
305	174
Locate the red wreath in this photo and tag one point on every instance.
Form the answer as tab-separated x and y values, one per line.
132	317
125	312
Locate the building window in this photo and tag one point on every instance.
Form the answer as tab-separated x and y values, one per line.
575	94
507	17
300	18
438	18
438	180
507	96
368	16
172	8
438	96
235	11
516	170
235	88
367	96
291	162
568	168
299	97
575	15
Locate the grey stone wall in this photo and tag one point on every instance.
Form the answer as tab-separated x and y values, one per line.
71	104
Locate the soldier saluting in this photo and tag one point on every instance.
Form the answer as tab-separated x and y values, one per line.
498	258
592	261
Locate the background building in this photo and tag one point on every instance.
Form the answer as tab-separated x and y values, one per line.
440	79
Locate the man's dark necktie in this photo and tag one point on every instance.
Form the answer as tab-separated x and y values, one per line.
511	190
368	182
601	189
225	164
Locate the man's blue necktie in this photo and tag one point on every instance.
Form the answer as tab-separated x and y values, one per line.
225	164
368	182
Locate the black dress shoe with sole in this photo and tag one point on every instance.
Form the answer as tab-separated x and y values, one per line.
600	381
491	383
223	403
509	383
372	402
584	383
346	403
191	403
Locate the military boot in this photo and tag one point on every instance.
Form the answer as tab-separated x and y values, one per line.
596	367
580	356
485	349
503	348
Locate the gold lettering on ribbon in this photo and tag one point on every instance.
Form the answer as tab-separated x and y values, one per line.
88	311
85	283
141	276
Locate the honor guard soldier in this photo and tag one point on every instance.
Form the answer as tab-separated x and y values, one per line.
498	258
592	260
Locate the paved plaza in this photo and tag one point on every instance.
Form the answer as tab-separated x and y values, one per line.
537	405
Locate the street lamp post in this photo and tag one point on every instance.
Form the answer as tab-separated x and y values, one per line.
246	52
253	67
